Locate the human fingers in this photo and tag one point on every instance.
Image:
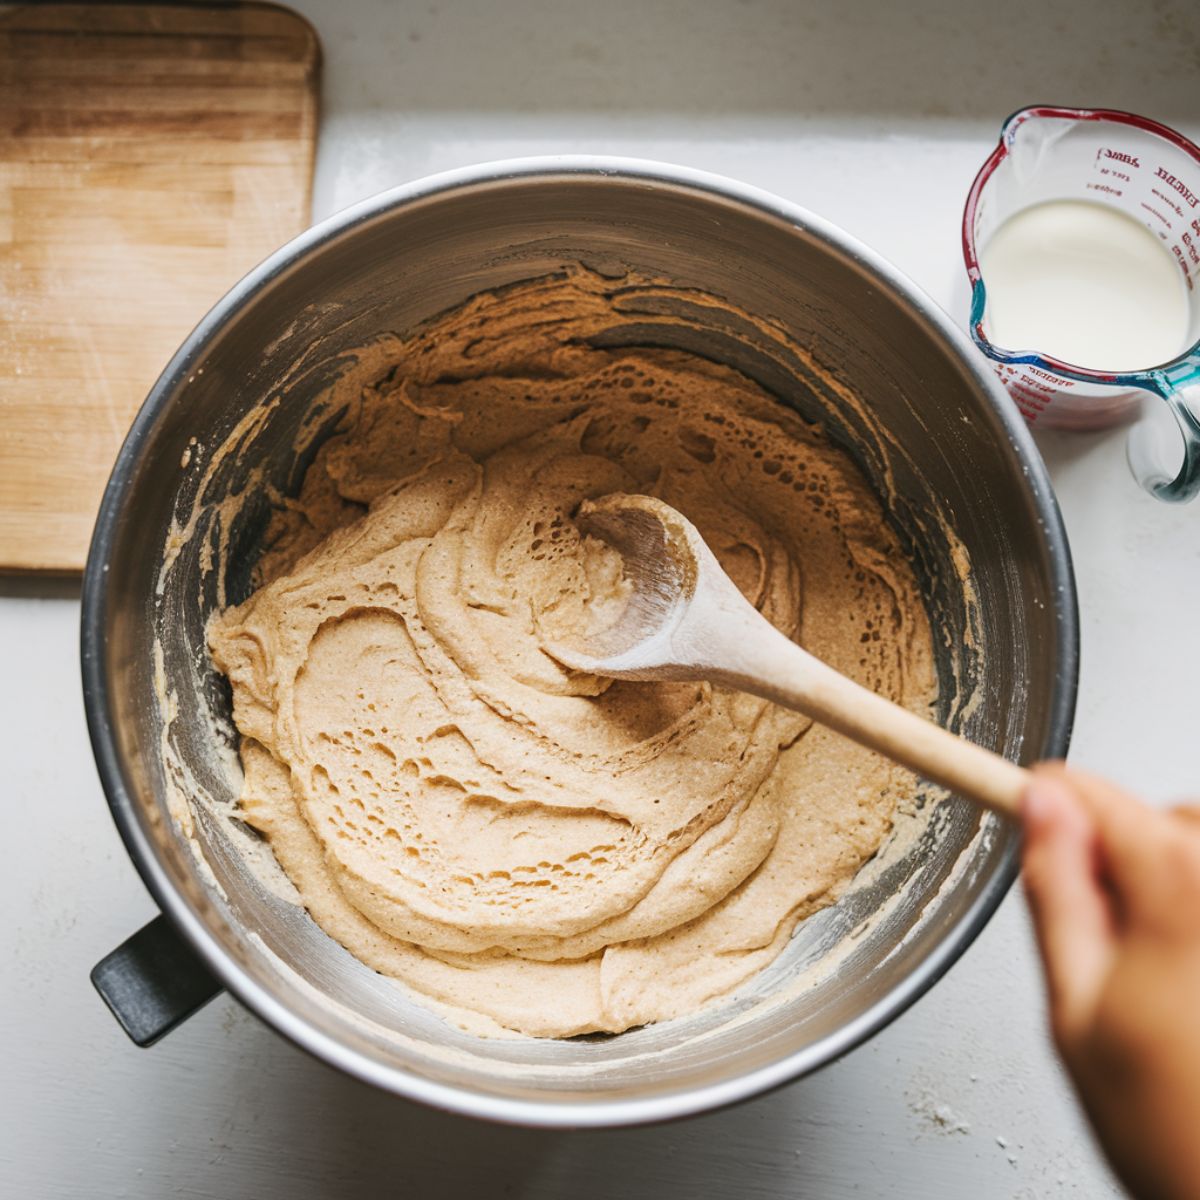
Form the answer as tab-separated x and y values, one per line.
1132	835
1071	910
1190	812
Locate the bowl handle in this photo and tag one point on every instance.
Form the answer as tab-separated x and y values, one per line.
154	981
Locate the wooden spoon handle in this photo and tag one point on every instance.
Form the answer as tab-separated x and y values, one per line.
913	741
779	670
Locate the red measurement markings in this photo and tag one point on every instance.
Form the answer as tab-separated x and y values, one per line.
1155	213
1169	201
1189	247
1187	275
1057	380
1121	156
1190	198
1028	399
1029	411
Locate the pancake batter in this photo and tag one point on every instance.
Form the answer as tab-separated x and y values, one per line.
540	850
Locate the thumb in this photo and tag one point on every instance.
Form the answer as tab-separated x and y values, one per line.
1071	912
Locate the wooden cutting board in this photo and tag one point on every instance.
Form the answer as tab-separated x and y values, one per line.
149	156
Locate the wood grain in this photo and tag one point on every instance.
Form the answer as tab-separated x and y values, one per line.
149	157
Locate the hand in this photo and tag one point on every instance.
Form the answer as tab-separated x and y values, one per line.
1115	891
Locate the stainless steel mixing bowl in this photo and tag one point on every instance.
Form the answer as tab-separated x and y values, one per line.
955	446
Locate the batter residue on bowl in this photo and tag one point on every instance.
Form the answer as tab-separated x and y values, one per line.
551	852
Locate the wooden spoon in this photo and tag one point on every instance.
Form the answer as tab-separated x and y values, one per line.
685	619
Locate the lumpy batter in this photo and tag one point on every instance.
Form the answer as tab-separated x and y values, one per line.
551	852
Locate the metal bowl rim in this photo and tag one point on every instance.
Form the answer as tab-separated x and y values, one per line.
576	1111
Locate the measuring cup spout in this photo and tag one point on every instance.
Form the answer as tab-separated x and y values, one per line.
1164	446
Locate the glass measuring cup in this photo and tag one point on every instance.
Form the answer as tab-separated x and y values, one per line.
1149	173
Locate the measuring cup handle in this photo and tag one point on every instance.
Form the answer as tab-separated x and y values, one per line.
1164	446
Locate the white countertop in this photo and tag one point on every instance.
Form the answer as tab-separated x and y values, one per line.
876	117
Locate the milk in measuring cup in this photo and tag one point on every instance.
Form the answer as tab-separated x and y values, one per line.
1085	284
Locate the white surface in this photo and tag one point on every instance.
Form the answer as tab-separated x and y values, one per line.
876	120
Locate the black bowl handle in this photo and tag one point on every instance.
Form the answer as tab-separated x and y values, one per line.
154	981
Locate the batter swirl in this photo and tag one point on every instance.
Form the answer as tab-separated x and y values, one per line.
553	852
